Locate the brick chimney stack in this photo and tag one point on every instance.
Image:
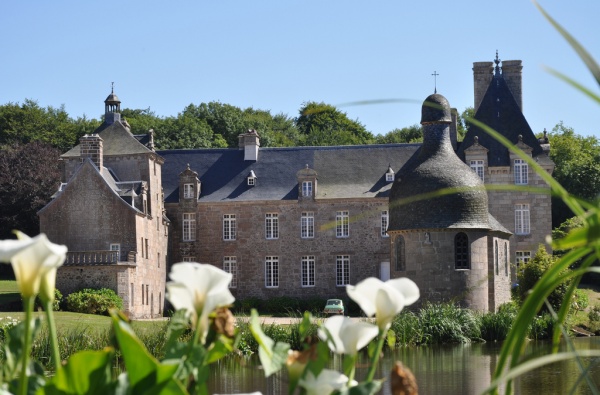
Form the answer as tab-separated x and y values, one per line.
512	71
483	72
90	146
249	142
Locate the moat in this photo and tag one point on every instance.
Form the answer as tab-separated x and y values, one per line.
447	369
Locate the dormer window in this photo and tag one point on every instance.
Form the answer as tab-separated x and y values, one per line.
188	191
307	188
190	186
307	184
251	178
389	175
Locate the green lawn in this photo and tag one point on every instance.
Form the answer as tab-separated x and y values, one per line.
66	321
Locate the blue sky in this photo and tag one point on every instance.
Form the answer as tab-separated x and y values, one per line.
275	55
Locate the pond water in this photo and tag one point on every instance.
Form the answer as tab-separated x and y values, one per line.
449	369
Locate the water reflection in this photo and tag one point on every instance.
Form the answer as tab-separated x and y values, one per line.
448	370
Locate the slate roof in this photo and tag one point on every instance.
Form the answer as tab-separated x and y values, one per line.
342	171
116	140
433	168
500	111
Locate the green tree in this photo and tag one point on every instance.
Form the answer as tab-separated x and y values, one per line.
323	124
186	131
141	120
529	273
29	175
29	122
577	167
462	124
410	134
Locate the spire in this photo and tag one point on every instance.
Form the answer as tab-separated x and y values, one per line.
497	61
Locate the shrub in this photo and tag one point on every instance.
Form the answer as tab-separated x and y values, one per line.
541	327
529	274
58	298
495	326
448	323
407	329
94	301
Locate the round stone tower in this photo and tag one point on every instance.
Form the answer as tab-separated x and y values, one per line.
441	233
435	169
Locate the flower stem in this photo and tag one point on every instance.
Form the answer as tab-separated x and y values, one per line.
53	337
375	357
23	379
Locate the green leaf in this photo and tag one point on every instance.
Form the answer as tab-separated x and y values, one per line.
219	349
305	325
178	324
391	339
318	364
272	355
367	388
86	372
348	364
146	374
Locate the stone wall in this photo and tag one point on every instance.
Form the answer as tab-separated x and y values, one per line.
365	246
430	262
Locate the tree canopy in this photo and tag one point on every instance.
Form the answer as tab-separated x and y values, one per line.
577	167
29	175
323	124
410	134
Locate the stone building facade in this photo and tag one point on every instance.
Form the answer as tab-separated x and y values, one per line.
514	197
109	213
306	221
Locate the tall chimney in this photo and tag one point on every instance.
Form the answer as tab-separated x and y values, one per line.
512	71
90	146
483	72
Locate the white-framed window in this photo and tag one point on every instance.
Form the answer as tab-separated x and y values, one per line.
272	272
189	259
251	181
522	219
389	177
342	270
477	167
521	170
229	227
189	226
522	257
272	226
308	271
307	188
342	224
230	266
116	247
385	220
188	191
307	225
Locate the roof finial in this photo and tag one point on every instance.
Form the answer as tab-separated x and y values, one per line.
435	74
112	87
497	61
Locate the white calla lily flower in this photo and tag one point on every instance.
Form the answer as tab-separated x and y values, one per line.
34	260
199	289
384	299
327	382
345	336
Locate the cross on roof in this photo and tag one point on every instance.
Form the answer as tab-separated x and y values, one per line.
435	74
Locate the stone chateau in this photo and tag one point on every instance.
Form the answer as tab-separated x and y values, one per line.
304	222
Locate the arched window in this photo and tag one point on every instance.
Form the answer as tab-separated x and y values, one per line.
506	258
461	252
496	257
400	254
